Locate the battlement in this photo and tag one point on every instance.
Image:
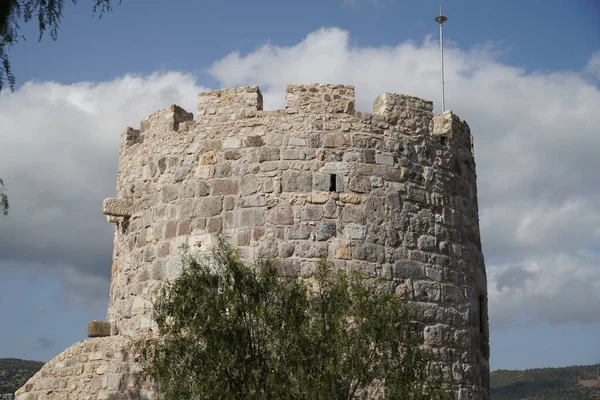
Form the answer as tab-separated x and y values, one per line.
317	99
233	103
245	102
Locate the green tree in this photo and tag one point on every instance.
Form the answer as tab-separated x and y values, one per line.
48	14
227	330
3	199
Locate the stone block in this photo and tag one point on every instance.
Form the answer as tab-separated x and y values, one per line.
299	232
426	243
340	249
98	328
405	269
336	140
384	159
254	141
353	214
359	184
210	206
224	187
312	213
249	184
322	182
338	168
319	196
117	207
298	154
355	231
312	249
325	230
181	173
281	215
350	198
169	193
297	142
434	335
268	154
296	181
286	250
368	252
203	189
256	200
232	143
427	291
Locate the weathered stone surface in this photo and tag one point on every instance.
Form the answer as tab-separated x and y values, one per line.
117	207
281	216
325	230
210	206
296	181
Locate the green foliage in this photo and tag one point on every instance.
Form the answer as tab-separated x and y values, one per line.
15	372
47	13
568	383
227	331
3	199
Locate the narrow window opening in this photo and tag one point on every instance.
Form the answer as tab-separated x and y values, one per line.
482	314
444	140
333	183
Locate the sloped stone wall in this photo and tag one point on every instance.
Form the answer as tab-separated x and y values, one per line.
93	369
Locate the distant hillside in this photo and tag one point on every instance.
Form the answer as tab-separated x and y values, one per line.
14	373
568	383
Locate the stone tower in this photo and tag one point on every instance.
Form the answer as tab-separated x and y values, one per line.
392	193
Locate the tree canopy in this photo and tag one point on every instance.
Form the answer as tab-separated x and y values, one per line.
228	330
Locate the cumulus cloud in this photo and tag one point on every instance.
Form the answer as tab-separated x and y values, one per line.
58	158
536	139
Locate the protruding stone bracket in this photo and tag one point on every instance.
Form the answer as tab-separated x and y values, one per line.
99	328
117	208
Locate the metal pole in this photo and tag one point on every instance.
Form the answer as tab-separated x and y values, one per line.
440	20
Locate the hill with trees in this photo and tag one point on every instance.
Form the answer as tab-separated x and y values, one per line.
567	383
15	372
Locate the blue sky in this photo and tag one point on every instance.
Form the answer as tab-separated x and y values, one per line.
524	74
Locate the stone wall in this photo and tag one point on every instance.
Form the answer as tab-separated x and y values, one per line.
392	193
93	369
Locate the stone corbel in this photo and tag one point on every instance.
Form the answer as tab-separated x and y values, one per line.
117	209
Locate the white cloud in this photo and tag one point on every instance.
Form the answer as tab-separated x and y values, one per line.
59	149
555	288
536	142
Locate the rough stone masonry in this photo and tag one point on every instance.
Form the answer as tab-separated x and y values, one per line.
392	193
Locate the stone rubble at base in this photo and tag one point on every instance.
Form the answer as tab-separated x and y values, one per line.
392	193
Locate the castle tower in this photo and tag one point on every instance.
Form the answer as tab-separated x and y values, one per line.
392	193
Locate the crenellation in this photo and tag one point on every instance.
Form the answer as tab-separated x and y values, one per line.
230	104
319	99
